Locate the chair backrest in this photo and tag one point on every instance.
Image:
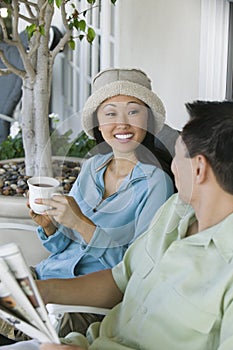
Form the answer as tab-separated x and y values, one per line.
10	85
167	138
25	236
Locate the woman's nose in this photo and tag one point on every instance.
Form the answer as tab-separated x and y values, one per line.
123	118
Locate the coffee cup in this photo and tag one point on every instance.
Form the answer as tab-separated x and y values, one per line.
41	187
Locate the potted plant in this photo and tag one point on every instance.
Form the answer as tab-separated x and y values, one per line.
38	62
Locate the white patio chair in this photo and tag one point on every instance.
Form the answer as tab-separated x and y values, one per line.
25	236
57	311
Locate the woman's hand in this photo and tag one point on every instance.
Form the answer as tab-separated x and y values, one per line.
60	347
66	211
44	221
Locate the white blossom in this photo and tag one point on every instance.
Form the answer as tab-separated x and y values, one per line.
14	129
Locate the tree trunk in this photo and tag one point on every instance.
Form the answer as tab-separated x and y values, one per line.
43	166
35	108
28	126
35	123
36	141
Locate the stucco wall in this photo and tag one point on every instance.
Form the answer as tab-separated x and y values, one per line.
162	37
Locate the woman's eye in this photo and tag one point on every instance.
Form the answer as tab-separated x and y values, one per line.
135	111
110	114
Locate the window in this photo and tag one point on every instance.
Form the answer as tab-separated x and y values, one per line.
229	88
213	51
77	68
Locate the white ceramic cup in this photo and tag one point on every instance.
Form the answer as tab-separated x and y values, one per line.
41	187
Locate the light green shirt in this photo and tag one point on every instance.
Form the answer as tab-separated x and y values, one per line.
178	292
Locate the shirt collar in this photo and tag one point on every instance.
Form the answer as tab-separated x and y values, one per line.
220	234
107	159
141	169
223	237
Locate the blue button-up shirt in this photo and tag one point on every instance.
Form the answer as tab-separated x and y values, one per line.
119	219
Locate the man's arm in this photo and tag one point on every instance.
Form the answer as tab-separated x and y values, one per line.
94	289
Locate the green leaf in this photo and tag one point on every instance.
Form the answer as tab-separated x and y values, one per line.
82	25
81	36
81	146
113	1
76	23
91	2
31	30
71	44
50	2
58	3
90	35
71	25
12	147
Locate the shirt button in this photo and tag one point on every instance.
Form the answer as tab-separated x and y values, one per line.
143	309
83	246
163	277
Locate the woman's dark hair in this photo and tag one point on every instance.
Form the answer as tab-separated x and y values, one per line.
150	151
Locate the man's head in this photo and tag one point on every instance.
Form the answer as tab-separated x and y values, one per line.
209	133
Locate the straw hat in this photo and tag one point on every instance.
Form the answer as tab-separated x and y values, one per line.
130	82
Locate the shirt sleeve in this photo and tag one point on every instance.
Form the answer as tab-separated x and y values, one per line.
59	241
123	271
226	334
55	243
160	188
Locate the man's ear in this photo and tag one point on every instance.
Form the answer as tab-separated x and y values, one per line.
201	168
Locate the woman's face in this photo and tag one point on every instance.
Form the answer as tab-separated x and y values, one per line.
123	122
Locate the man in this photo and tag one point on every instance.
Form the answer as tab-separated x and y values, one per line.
174	288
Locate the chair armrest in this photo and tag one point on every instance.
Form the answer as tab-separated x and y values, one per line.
59	309
56	312
6	118
18	226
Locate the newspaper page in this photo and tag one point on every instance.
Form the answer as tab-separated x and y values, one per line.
18	285
23	326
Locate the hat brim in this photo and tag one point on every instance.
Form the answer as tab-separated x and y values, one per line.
122	88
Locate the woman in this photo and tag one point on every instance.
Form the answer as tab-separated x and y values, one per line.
117	191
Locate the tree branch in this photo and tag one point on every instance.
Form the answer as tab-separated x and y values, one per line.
27	19
10	67
29	7
63	41
4	30
18	43
4	72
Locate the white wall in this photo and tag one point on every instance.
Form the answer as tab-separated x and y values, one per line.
162	37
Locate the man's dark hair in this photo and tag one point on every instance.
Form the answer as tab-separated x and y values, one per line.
210	132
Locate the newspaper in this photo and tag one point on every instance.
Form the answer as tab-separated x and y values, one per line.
20	302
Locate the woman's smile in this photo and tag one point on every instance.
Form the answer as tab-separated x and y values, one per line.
124	137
